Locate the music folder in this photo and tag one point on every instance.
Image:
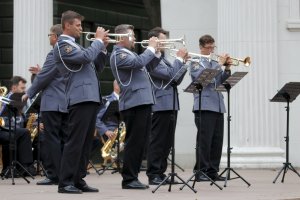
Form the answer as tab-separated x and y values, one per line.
231	81
35	105
289	92
205	78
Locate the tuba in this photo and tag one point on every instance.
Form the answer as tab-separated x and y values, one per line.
3	92
109	151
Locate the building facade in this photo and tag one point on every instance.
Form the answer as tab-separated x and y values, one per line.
266	30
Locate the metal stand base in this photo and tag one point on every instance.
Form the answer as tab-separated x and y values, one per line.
284	169
227	178
197	173
172	182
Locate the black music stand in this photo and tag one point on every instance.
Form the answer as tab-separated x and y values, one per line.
14	105
173	83
288	93
112	113
35	108
226	87
196	87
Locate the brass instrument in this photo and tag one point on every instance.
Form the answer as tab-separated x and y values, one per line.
33	129
164	44
109	152
3	92
235	61
116	35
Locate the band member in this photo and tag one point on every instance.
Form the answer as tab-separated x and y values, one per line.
136	98
210	137
53	110
24	146
79	66
162	118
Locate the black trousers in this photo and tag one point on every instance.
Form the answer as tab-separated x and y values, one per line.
138	126
160	142
210	141
82	119
56	125
24	148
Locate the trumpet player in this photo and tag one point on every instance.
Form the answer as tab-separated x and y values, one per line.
80	67
163	126
136	98
210	136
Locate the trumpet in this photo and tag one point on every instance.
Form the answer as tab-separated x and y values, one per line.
235	61
164	44
118	36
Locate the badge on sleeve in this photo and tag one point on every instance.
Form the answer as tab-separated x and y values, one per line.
68	49
122	56
195	65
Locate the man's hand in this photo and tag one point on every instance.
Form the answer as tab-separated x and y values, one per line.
111	135
24	97
34	69
153	42
183	53
101	34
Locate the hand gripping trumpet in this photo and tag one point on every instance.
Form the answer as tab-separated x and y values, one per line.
235	61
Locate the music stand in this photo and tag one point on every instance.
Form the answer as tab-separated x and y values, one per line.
35	108
226	87
288	94
173	83
112	113
14	105
196	87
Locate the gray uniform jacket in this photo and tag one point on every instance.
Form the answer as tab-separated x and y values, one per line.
103	125
211	100
81	79
50	81
130	70
161	76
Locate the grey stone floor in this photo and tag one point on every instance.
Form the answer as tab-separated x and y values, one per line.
110	188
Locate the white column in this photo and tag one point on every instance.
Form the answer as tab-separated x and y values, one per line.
32	21
249	28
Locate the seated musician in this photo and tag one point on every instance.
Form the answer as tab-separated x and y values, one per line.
23	139
107	126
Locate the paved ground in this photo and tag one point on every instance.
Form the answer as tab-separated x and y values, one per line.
109	184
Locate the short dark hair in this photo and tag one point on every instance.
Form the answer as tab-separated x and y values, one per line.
56	29
123	28
69	16
206	39
156	31
15	80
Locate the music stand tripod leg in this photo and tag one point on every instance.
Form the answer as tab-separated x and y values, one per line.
13	149
173	174
293	169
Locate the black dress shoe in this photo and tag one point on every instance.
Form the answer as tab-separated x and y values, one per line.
155	181
220	178
47	181
87	188
201	177
70	189
135	185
